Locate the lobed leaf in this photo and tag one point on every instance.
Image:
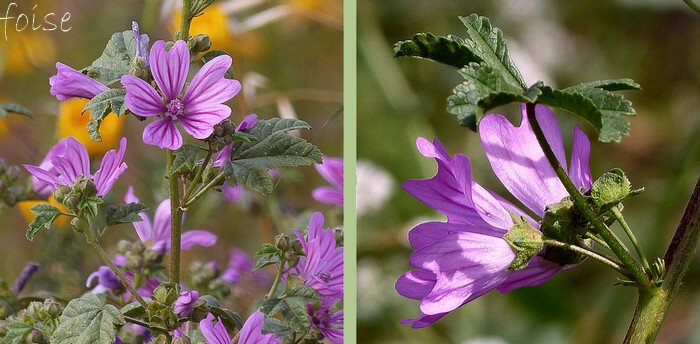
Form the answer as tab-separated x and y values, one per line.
185	157
450	49
608	85
293	307
484	89
267	255
17	332
124	213
86	320
488	44
46	214
270	147
115	60
110	101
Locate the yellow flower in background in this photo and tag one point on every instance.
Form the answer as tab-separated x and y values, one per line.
4	128
25	206
325	11
71	122
22	54
214	22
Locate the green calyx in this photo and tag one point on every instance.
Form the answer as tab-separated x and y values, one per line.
562	223
610	189
525	239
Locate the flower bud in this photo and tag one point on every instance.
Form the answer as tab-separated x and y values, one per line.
13	173
282	241
184	304
298	248
152	257
78	224
133	260
138	247
38	337
210	271
199	43
52	307
219	288
123	246
34	309
61	193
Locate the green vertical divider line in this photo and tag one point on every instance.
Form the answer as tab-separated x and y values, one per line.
350	158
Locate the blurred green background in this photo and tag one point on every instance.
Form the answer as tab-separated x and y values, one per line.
288	56
656	43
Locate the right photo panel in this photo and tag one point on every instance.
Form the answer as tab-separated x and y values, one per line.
528	171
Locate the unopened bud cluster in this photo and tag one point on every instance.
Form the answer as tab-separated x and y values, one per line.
207	277
199	43
222	135
290	249
139	255
44	314
75	197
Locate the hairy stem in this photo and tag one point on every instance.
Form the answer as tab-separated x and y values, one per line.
618	216
184	33
93	241
606	234
654	303
175	223
588	253
277	280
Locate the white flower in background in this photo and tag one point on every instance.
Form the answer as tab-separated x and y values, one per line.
369	276
374	187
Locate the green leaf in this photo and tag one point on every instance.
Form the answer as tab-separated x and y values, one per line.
273	147
87	321
102	105
210	55
293	307
17	332
276	326
89	206
573	102
115	60
451	50
613	108
185	156
231	319
135	309
488	44
608	85
6	108
45	216
484	89
610	188
124	213
267	255
525	240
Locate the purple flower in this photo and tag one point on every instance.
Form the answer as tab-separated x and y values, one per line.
214	333
141	42
322	267
332	170
185	303
159	233
329	323
69	83
198	110
466	257
251	332
240	266
70	160
106	280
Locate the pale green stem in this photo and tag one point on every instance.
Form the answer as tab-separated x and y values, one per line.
277	280
615	246
692	5
618	215
588	253
93	241
214	182
196	179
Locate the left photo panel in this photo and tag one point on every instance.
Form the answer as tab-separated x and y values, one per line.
171	171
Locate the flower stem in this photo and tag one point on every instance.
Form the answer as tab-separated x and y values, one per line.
93	241
184	33
205	188
655	302
277	280
196	179
175	222
588	253
618	215
634	268
692	5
